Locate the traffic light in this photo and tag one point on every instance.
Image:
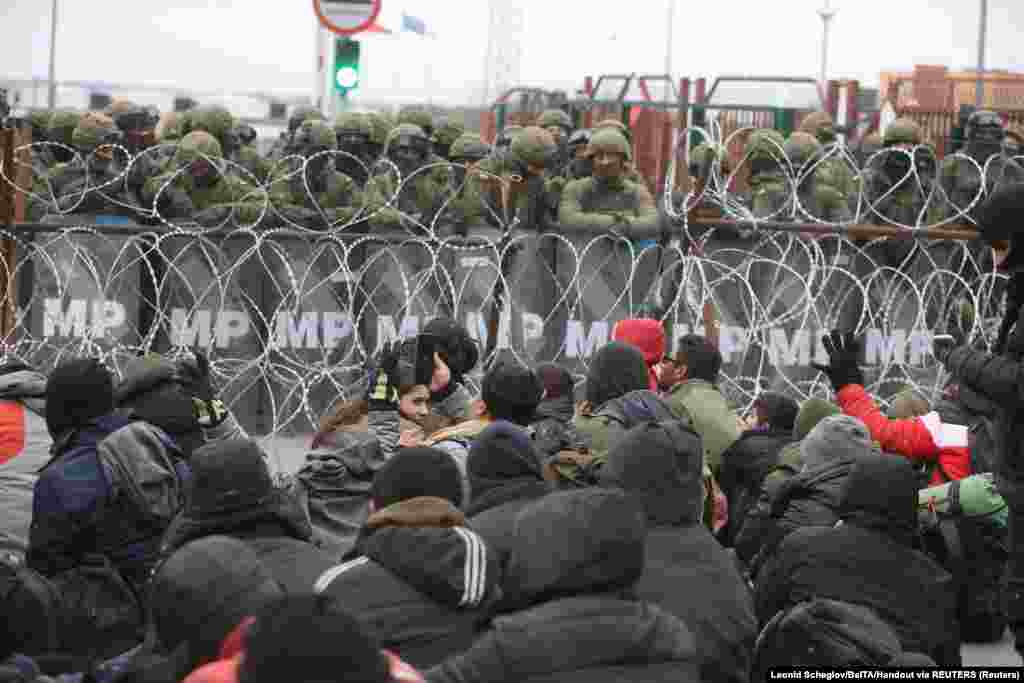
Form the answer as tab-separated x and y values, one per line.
346	65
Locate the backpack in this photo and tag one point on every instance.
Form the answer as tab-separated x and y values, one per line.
87	610
824	633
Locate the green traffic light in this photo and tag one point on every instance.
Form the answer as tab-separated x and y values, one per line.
346	65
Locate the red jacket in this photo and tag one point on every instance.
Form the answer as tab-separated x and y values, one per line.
648	336
924	438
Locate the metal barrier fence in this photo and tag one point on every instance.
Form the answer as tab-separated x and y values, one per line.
290	316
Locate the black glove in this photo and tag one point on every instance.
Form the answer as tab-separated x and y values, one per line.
395	367
844	355
193	374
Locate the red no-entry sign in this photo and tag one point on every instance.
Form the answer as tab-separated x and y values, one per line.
346	17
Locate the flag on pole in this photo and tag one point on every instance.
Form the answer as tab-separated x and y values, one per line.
411	24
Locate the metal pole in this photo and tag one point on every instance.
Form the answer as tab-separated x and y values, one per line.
979	89
671	10
53	56
490	54
826	13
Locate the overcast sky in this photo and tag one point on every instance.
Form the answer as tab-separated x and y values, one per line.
247	45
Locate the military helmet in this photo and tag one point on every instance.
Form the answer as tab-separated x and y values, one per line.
533	146
119	106
352	123
800	148
61	126
170	127
408	135
580	137
765	142
902	131
984	119
447	132
555	117
380	127
40	119
469	147
215	120
93	130
507	135
616	125
417	117
315	134
302	114
820	125
196	145
702	155
609	139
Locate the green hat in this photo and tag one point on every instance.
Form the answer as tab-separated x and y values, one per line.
555	117
62	126
380	127
902	131
215	120
533	146
470	147
417	117
765	142
301	114
448	131
315	134
616	125
812	411
196	145
609	139
352	122
800	148
92	130
906	404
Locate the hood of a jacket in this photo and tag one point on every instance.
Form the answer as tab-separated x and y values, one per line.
355	453
637	407
27	386
150	391
615	370
425	542
562	408
662	465
880	493
87	436
577	542
206	588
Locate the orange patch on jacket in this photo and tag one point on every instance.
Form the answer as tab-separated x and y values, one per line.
12	430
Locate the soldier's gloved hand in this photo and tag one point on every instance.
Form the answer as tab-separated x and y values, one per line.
844	355
193	374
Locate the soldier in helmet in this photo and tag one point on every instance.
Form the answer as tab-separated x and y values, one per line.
834	172
417	116
415	192
60	129
820	194
448	131
608	199
770	184
962	180
1013	143
527	193
198	189
354	133
819	125
380	128
299	115
632	174
708	164
558	123
580	165
468	205
138	126
870	145
898	186
312	192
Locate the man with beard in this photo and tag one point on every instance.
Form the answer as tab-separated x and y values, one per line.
312	192
607	200
410	188
198	189
962	181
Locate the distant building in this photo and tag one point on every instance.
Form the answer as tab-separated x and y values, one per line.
937	88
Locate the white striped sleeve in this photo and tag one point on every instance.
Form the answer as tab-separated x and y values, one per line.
328	577
475	571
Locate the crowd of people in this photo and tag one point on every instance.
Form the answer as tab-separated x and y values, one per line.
628	527
428	174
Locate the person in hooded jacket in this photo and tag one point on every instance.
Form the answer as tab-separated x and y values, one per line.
661	464
178	397
419	579
88	499
577	553
454	354
552	428
197	598
748	537
870	559
24	449
812	498
232	494
648	335
746	463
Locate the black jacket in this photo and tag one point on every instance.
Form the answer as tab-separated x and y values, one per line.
278	530
870	560
422	590
743	469
576	554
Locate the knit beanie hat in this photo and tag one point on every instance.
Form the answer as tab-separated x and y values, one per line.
615	370
512	392
881	493
1000	219
779	411
838	438
812	411
311	639
205	589
228	476
557	380
415	473
907	404
647	335
77	392
500	453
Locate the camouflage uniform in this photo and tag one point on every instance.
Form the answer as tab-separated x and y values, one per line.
418	193
380	128
913	195
769	183
580	165
609	202
417	117
314	193
707	161
354	133
99	173
821	194
447	133
467	206
299	116
961	180
202	192
632	175
60	129
531	195
834	174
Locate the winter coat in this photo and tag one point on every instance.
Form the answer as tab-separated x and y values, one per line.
552	429
926	438
421	582
744	467
81	504
24	449
577	622
870	560
711	415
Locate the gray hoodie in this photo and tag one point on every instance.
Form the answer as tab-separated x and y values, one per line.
24	449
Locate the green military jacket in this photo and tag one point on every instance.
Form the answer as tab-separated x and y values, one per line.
711	416
586	202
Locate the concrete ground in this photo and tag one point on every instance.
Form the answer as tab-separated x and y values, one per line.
287	452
